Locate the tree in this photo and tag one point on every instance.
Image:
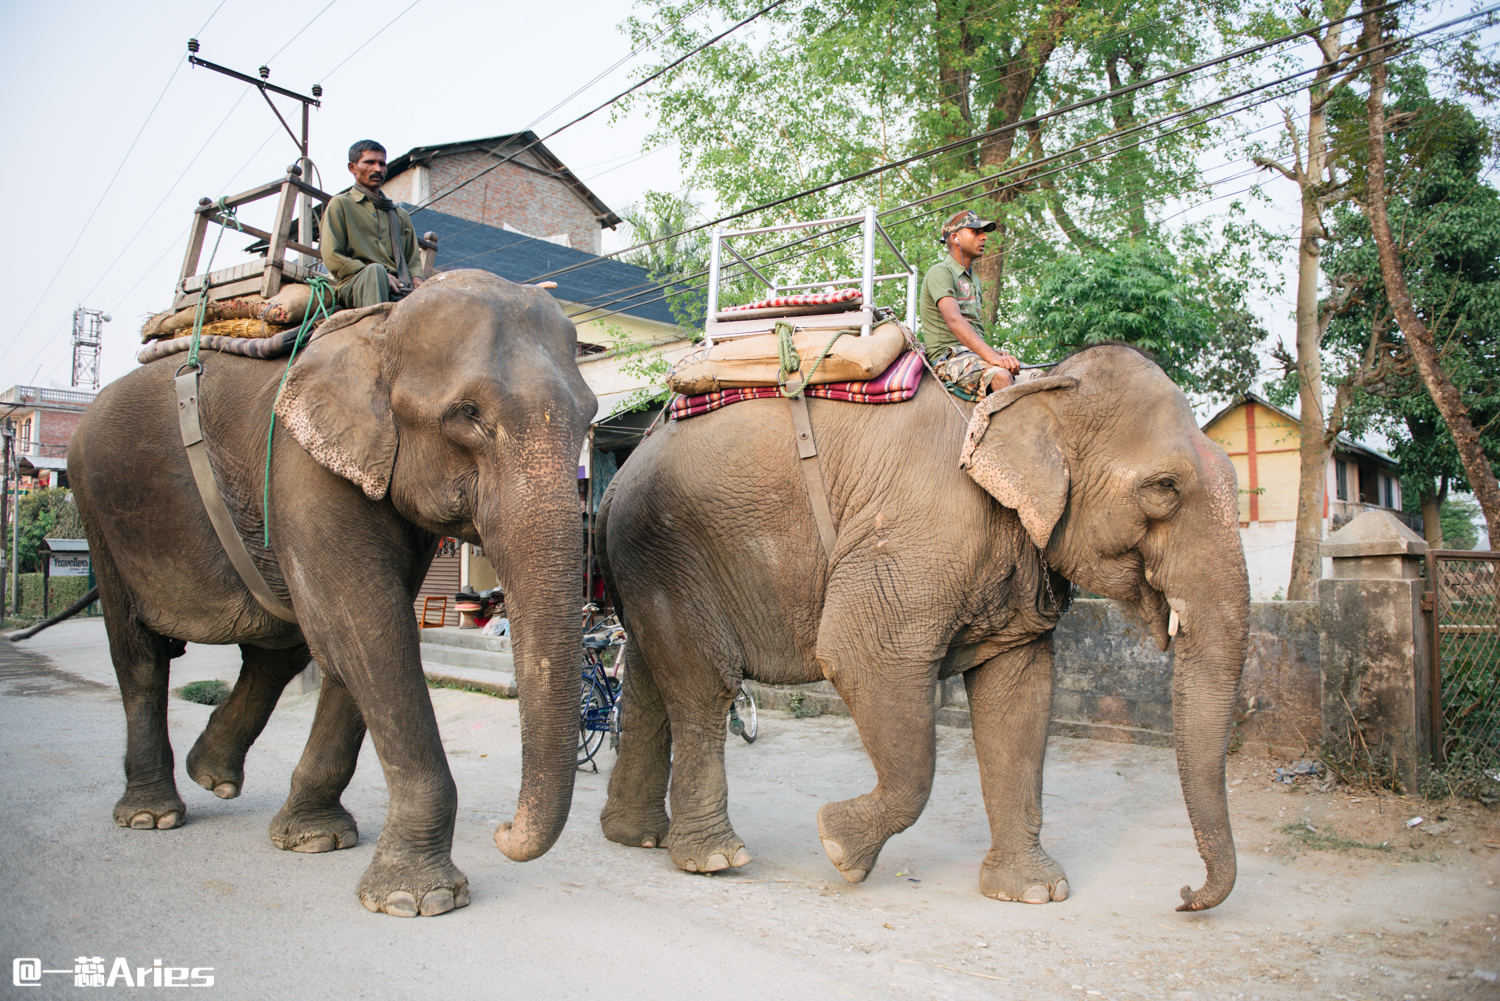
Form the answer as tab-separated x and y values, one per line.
1319	170
840	90
1419	338
677	256
45	513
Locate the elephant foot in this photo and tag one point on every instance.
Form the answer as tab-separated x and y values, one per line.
1032	879
220	771
404	892
142	811
697	853
311	831
847	841
646	830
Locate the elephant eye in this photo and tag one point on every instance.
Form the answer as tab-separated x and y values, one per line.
471	411
1166	483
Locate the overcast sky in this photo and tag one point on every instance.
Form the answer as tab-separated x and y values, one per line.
81	78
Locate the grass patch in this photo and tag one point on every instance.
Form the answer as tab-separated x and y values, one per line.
801	707
1327	839
205	693
464	686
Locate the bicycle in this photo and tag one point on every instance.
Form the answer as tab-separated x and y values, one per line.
743	718
599	702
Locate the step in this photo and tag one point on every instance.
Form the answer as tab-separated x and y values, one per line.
469	639
468	658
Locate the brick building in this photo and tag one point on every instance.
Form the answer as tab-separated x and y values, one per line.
534	194
44	420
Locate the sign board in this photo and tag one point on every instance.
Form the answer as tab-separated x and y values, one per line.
70	565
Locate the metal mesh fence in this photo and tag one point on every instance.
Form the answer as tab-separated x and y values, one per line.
1467	610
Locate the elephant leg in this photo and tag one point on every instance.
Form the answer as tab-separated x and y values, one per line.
141	659
635	813
217	760
701	838
1010	703
313	819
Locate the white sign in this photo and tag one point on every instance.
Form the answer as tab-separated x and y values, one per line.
70	564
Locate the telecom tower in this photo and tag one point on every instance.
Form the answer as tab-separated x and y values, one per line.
88	330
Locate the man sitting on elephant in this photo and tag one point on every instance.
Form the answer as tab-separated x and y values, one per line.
361	229
951	328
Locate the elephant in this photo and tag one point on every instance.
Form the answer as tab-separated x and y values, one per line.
459	412
1097	475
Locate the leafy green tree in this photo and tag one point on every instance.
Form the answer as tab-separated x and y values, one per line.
812	93
45	513
674	257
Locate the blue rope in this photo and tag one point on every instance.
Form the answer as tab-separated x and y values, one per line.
316	308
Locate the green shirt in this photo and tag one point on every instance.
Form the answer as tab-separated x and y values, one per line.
356	233
946	278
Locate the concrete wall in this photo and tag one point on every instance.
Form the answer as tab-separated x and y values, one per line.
1112	683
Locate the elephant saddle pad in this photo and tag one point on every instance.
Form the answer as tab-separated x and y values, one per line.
897	383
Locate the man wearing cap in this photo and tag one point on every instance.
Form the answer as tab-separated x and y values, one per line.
951	328
361	229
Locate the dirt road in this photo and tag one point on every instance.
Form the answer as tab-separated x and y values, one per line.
592	918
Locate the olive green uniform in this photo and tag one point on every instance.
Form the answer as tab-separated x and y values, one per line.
356	247
947	278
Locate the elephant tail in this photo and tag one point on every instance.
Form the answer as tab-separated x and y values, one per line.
88	599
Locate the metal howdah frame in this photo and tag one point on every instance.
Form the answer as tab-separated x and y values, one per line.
867	279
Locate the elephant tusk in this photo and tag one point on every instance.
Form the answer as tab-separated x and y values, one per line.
1172	623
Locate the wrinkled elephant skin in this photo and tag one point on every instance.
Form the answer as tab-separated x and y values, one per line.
1095	474
459	412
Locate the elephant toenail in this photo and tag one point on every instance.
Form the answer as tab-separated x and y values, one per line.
648	842
370	904
401	905
461	896
1060	891
143	822
439	901
742	857
1037	893
168	820
855	875
321	843
835	851
716	861
226	790
690	866
207	782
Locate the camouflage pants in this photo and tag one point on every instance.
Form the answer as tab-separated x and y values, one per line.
962	371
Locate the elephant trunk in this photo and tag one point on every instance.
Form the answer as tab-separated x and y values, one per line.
540	559
1211	643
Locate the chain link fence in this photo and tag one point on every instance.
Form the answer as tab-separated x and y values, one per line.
1466	655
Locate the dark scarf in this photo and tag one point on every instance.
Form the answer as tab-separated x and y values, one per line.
379	200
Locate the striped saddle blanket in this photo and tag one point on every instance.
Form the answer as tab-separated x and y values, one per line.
897	383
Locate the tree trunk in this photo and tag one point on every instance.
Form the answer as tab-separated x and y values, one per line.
1311	175
1432	520
1445	395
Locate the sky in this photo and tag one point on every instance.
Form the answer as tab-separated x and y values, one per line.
81	80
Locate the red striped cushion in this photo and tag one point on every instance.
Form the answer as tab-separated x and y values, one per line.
810	299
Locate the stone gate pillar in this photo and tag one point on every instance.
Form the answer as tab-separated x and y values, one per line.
1374	642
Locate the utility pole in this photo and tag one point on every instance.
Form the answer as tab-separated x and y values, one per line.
13	481
304	219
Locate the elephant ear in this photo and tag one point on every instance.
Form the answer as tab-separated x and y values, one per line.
1014	450
337	402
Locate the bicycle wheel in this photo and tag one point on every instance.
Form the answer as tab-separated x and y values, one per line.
593	719
743	710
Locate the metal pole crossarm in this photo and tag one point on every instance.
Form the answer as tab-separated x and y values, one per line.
262	84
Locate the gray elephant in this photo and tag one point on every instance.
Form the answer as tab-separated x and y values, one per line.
459	412
1099	476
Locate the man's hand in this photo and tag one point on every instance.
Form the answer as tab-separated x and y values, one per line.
1008	362
393	283
416	282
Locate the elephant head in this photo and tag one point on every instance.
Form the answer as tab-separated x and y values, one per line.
1115	484
464	408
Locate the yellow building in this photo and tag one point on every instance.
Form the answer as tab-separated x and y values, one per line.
1263	442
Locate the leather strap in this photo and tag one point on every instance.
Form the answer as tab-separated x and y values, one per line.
213	501
812	469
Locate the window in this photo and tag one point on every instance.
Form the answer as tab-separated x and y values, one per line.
1341	479
26	435
1390	492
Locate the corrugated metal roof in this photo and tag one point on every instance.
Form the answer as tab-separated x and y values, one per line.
66	545
601	285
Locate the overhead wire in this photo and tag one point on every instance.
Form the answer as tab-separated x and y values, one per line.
1016	127
433	199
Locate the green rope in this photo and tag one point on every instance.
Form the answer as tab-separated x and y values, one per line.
316	308
791	362
224	212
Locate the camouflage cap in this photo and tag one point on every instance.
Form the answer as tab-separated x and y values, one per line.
966	219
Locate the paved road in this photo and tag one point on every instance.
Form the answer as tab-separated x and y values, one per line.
592	919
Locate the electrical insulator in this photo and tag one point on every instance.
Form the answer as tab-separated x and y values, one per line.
317	90
193	45
265	72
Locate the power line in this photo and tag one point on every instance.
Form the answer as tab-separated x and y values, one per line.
298	35
463	184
